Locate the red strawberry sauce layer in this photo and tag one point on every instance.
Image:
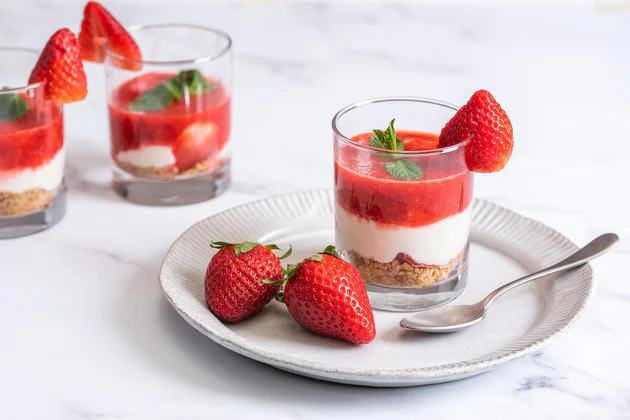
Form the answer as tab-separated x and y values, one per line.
132	130
364	188
33	139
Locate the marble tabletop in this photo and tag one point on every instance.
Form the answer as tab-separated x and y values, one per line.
86	332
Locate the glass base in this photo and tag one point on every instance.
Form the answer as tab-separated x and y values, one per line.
175	192
406	299
37	221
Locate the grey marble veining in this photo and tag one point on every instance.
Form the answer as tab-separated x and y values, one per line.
86	332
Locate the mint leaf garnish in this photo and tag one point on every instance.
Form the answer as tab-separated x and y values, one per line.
12	106
195	82
399	168
375	140
404	169
387	140
187	82
158	97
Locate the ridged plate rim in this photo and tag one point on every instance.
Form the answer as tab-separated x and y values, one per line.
538	245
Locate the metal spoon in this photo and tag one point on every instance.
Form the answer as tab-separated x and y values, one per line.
457	317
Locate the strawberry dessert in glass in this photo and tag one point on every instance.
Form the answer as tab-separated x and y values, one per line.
168	90
32	151
403	200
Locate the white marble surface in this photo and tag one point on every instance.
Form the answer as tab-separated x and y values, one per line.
86	333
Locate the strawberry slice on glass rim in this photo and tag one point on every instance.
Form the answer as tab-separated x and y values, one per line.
60	70
99	29
485	123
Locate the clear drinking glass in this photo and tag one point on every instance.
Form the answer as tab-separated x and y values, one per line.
408	238
32	153
170	115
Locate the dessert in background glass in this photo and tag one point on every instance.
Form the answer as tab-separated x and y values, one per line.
402	217
32	152
169	115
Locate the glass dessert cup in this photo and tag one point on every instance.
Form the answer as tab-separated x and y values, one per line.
32	153
171	150
408	238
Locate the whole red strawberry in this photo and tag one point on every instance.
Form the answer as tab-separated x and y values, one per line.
483	119
234	280
99	28
327	296
60	69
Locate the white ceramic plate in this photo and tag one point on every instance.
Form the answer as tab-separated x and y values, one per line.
505	246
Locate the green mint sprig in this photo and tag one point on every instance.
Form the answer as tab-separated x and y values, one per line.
398	168
189	82
387	140
12	106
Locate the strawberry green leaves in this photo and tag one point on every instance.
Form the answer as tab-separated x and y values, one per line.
285	255
290	269
12	107
399	168
247	246
331	250
187	82
244	247
220	245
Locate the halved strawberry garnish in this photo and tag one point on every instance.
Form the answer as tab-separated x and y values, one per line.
100	28
197	143
60	69
491	130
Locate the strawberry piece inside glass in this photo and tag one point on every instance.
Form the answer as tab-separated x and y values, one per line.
187	136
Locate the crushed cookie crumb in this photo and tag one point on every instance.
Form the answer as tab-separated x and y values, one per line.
399	273
18	204
167	172
201	166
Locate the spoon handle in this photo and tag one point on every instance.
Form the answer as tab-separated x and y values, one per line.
593	249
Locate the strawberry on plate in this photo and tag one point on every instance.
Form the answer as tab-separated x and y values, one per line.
483	119
100	28
60	70
234	284
327	296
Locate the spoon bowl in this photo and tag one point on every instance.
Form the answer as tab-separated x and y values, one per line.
457	317
445	319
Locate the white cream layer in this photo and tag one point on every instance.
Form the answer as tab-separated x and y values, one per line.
434	244
147	157
47	176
